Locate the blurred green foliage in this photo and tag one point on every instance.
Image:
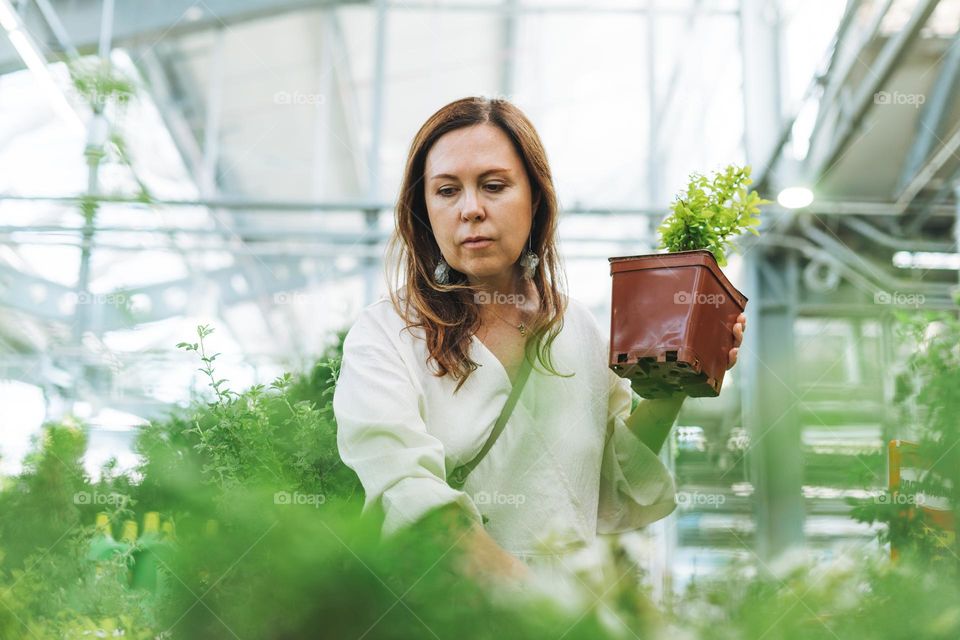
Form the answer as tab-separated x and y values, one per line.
269	543
929	403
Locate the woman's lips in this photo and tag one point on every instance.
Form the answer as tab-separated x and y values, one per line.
478	244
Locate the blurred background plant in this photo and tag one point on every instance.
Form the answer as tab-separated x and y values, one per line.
928	401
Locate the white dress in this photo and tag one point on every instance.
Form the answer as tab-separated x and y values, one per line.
565	468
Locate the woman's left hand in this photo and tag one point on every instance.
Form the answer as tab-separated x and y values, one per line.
738	328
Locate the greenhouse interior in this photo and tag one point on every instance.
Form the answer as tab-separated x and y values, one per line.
358	320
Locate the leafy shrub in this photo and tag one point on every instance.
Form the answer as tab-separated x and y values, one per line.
282	435
38	506
711	212
280	438
48	587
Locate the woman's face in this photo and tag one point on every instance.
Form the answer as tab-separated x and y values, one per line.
476	185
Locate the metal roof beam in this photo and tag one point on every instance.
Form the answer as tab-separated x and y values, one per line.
31	294
145	21
881	71
930	127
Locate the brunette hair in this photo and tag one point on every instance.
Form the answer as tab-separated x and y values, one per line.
448	314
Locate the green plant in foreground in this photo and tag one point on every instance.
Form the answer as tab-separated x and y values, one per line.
711	212
858	593
282	435
49	587
286	569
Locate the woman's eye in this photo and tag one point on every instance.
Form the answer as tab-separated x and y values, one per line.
493	187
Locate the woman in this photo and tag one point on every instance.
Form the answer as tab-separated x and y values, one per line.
426	372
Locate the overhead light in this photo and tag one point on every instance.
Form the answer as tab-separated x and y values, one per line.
926	260
795	197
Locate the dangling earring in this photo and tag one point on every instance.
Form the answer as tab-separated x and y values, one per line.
442	272
529	261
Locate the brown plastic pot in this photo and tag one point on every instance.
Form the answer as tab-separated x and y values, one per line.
671	322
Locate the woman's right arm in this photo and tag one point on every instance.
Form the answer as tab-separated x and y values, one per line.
382	436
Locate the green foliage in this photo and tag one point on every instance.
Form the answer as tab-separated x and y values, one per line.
38	507
48	587
279	438
99	84
857	594
711	212
282	568
282	435
293	571
275	567
929	401
61	594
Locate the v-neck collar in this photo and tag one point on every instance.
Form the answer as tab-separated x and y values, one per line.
505	377
493	357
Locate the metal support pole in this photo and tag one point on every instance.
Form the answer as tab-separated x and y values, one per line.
767	367
56	26
774	423
323	114
508	47
211	130
956	223
653	146
376	126
762	95
96	140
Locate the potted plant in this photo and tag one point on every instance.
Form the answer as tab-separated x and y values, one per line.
672	316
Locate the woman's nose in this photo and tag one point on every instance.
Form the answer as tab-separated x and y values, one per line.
471	206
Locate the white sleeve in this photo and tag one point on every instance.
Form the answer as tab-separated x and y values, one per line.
635	486
382	436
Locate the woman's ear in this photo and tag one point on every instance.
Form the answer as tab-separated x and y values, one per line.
536	204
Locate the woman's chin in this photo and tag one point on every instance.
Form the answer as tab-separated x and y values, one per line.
483	270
